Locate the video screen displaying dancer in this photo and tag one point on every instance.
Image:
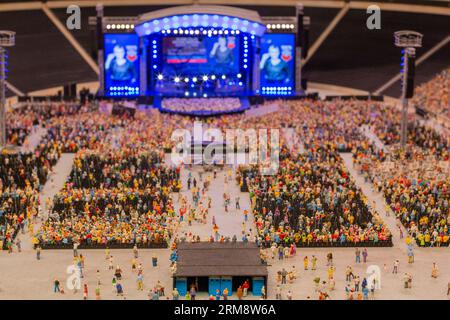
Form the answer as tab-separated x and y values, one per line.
121	60
277	60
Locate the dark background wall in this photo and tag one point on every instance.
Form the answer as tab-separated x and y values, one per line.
351	56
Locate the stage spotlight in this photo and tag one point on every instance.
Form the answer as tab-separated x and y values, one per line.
205	95
194	79
176	79
132	26
168	31
108	26
127	26
186	79
224	77
226	31
278	26
213	77
215	32
239	75
197	32
269	26
205	78
122	26
186	94
113	26
175	31
160	77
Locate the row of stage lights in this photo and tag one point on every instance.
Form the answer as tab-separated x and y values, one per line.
285	26
198	21
124	88
204	78
277	91
203	32
194	94
119	26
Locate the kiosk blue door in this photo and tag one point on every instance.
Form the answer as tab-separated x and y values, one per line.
227	283
258	283
181	285
214	284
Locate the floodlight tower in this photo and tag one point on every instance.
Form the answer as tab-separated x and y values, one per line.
409	41
7	39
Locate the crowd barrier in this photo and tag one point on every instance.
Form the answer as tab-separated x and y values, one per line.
338	244
428	245
62	246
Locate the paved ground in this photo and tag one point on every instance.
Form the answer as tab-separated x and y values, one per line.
23	277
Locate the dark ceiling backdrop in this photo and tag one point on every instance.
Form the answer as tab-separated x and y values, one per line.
351	56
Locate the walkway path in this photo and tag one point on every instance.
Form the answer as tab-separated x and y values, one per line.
229	223
55	182
367	131
262	110
378	199
33	140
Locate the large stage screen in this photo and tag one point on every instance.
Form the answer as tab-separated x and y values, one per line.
277	63
121	65
197	56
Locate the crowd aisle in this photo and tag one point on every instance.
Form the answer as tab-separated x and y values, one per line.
227	223
56	180
376	199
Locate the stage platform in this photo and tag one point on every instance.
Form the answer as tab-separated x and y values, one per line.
244	104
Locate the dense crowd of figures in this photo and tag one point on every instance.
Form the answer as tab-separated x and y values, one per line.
119	190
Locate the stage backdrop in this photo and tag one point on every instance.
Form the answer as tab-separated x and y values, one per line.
197	56
277	64
121	65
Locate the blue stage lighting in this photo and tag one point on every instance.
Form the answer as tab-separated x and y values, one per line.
194	79
160	77
205	78
176	79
